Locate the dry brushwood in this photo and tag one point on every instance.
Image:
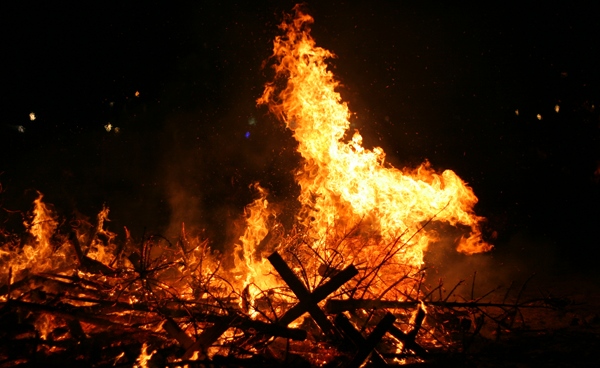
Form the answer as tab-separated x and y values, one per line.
175	300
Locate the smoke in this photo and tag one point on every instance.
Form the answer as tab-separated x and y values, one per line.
211	157
512	262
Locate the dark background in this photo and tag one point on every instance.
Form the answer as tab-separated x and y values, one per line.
429	81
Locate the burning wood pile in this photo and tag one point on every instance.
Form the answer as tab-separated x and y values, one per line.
342	287
73	295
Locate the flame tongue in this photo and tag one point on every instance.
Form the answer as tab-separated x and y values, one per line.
344	184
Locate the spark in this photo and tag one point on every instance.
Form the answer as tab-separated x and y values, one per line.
32	116
539	116
108	127
20	129
517	112
557	108
137	93
119	358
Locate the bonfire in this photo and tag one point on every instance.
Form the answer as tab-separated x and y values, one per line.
343	286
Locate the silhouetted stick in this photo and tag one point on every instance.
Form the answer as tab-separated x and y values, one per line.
319	294
365	346
408	344
271	329
173	329
208	337
419	318
408	339
308	302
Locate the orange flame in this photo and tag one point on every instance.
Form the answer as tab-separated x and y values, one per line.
41	227
144	357
38	255
102	250
345	185
257	242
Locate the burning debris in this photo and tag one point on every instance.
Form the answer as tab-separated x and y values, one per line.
74	294
342	287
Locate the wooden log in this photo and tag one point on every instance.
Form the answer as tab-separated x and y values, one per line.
271	329
408	344
85	262
173	329
408	339
356	338
365	346
309	305
419	318
76	330
74	240
208	337
320	293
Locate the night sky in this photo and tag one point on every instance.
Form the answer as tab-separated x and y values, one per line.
429	81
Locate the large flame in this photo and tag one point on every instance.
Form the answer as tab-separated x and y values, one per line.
345	185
